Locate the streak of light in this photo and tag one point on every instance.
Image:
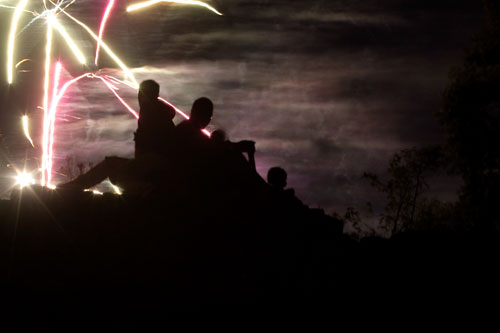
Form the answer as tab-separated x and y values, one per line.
96	192
48	140
125	69
45	138
12	37
26	130
79	55
21	62
24	179
12	7
104	20
52	120
184	115
128	107
116	189
145	4
179	111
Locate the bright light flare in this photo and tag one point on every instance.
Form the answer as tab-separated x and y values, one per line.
116	189
24	179
125	104
104	20
52	120
95	192
27	130
145	4
22	62
12	37
46	124
183	114
76	51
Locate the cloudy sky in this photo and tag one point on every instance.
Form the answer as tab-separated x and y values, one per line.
328	89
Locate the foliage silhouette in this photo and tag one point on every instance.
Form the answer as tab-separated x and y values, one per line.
470	117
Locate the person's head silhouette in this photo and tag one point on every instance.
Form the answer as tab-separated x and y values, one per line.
201	112
218	136
276	177
149	90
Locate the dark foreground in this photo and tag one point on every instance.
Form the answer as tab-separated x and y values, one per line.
76	255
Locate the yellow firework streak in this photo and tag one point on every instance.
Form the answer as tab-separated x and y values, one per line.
12	37
106	48
21	62
45	139
145	4
27	130
79	55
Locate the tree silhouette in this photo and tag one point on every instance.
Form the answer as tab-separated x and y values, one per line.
407	171
471	118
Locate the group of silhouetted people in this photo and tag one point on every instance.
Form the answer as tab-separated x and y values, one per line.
185	154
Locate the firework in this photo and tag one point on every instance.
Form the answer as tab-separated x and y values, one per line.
145	4
51	101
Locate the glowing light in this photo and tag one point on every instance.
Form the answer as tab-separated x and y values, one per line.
21	62
145	4
50	104
26	130
116	189
105	17
52	120
46	124
95	192
125	69
12	37
132	111
24	179
184	115
79	55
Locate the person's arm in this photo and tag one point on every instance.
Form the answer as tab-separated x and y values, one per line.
247	146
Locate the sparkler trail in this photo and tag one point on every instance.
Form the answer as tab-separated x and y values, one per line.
27	130
105	17
179	111
79	55
50	104
45	137
145	4
125	69
12	37
134	113
21	62
52	120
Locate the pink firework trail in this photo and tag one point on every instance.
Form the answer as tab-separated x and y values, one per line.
104	20
50	103
51	121
128	107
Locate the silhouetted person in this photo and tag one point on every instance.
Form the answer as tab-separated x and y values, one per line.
155	127
276	177
191	144
153	140
222	145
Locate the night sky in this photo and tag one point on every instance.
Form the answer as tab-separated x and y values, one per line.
328	89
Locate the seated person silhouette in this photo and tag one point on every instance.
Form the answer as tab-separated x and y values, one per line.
223	146
154	127
191	152
277	179
152	142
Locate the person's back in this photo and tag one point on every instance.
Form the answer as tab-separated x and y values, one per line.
191	142
155	127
